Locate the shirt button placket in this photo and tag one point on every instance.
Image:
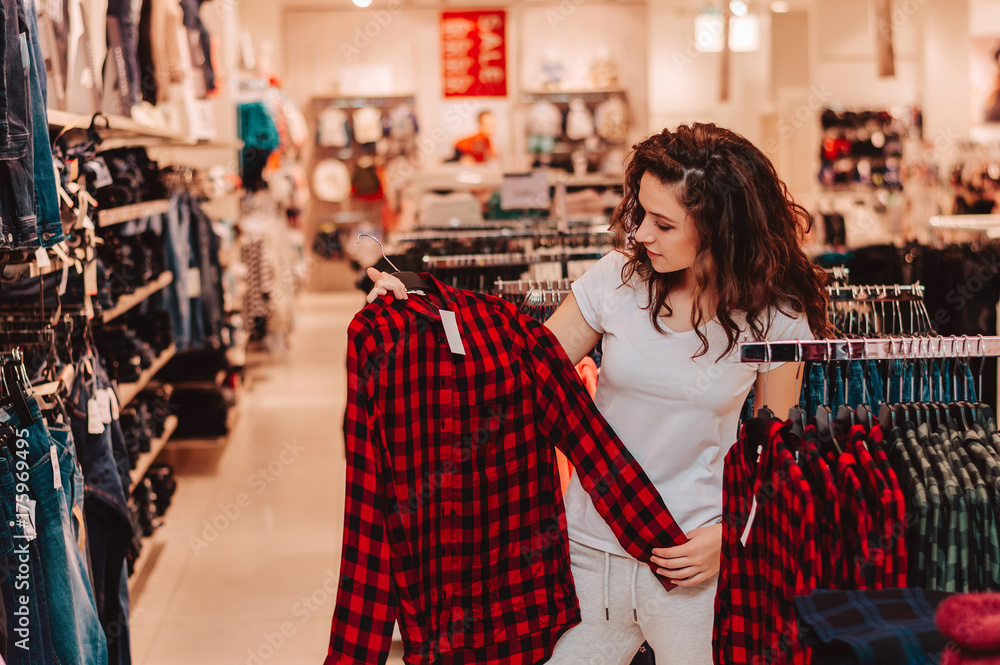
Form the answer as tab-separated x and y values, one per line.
449	469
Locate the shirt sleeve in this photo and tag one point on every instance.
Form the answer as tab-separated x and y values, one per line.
567	416
365	613
786	326
594	287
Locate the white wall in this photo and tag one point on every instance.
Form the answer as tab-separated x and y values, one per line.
684	84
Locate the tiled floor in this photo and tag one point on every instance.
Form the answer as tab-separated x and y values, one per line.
251	550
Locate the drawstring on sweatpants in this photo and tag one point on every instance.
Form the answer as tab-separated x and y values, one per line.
607	586
635	573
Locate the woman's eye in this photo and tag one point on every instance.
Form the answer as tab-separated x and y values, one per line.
664	228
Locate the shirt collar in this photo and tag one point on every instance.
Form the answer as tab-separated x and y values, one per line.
439	294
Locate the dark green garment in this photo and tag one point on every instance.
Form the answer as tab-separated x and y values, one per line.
972	546
954	523
917	507
930	545
988	468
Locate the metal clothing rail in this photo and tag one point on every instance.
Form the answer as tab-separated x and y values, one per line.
509	259
900	348
521	287
545	298
499	232
861	293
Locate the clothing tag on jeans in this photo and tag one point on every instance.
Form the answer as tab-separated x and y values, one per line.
450	322
25	53
90	278
194	283
94	423
104	406
56	476
42	258
114	404
102	174
26	516
746	531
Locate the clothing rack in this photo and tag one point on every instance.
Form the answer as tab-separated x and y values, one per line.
900	348
357	102
493	231
545	297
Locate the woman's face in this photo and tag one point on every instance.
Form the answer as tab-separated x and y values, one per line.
667	230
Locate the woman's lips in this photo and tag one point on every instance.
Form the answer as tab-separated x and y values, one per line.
653	255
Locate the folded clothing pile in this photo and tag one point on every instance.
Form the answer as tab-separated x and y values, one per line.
880	627
972	622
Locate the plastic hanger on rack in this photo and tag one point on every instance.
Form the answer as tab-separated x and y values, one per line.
797	414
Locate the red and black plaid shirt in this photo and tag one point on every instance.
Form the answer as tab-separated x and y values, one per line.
453	515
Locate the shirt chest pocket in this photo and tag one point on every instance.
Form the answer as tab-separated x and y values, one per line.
492	436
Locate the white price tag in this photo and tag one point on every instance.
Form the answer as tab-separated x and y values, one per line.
56	475
42	257
94	423
104	406
26	515
194	283
450	322
90	278
746	531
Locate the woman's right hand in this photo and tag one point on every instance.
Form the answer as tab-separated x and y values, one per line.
384	284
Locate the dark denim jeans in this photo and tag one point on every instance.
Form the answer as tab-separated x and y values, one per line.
128	27
76	631
109	522
49	222
18	227
29	636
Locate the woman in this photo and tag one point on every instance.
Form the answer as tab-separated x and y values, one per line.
707	255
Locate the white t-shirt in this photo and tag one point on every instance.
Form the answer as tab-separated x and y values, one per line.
678	416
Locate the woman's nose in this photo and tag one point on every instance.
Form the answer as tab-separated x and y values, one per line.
643	234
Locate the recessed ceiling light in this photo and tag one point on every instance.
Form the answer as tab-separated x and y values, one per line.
362	3
779	7
738	8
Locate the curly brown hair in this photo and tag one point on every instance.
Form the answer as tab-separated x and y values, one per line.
748	227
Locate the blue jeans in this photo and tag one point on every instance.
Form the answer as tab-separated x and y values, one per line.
174	298
18	227
49	222
29	638
76	631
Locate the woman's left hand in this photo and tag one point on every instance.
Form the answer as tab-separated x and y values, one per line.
693	562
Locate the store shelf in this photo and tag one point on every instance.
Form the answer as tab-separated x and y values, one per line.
155	448
128	391
116	125
130	212
130	300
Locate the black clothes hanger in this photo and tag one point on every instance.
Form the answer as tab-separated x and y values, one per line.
411	280
14	381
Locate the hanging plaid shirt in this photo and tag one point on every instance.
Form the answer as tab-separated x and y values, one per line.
453	516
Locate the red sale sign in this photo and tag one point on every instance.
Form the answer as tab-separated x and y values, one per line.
474	53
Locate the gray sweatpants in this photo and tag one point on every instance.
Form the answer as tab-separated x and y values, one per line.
622	604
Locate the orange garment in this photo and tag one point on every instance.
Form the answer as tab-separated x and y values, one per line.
478	146
587	369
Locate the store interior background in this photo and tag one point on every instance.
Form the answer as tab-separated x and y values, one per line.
231	601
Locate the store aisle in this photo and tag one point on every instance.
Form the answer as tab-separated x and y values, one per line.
250	553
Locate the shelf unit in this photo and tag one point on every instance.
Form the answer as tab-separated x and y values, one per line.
156	446
130	300
128	391
127	213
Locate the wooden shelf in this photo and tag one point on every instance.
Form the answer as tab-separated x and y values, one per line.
130	212
155	448
128	391
116	125
130	300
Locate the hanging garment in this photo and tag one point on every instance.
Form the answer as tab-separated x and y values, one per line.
367	125
452	521
260	139
579	121
401	128
544	119
332	129
611	120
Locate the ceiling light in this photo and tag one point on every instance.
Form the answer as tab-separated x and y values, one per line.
362	3
779	7
738	8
